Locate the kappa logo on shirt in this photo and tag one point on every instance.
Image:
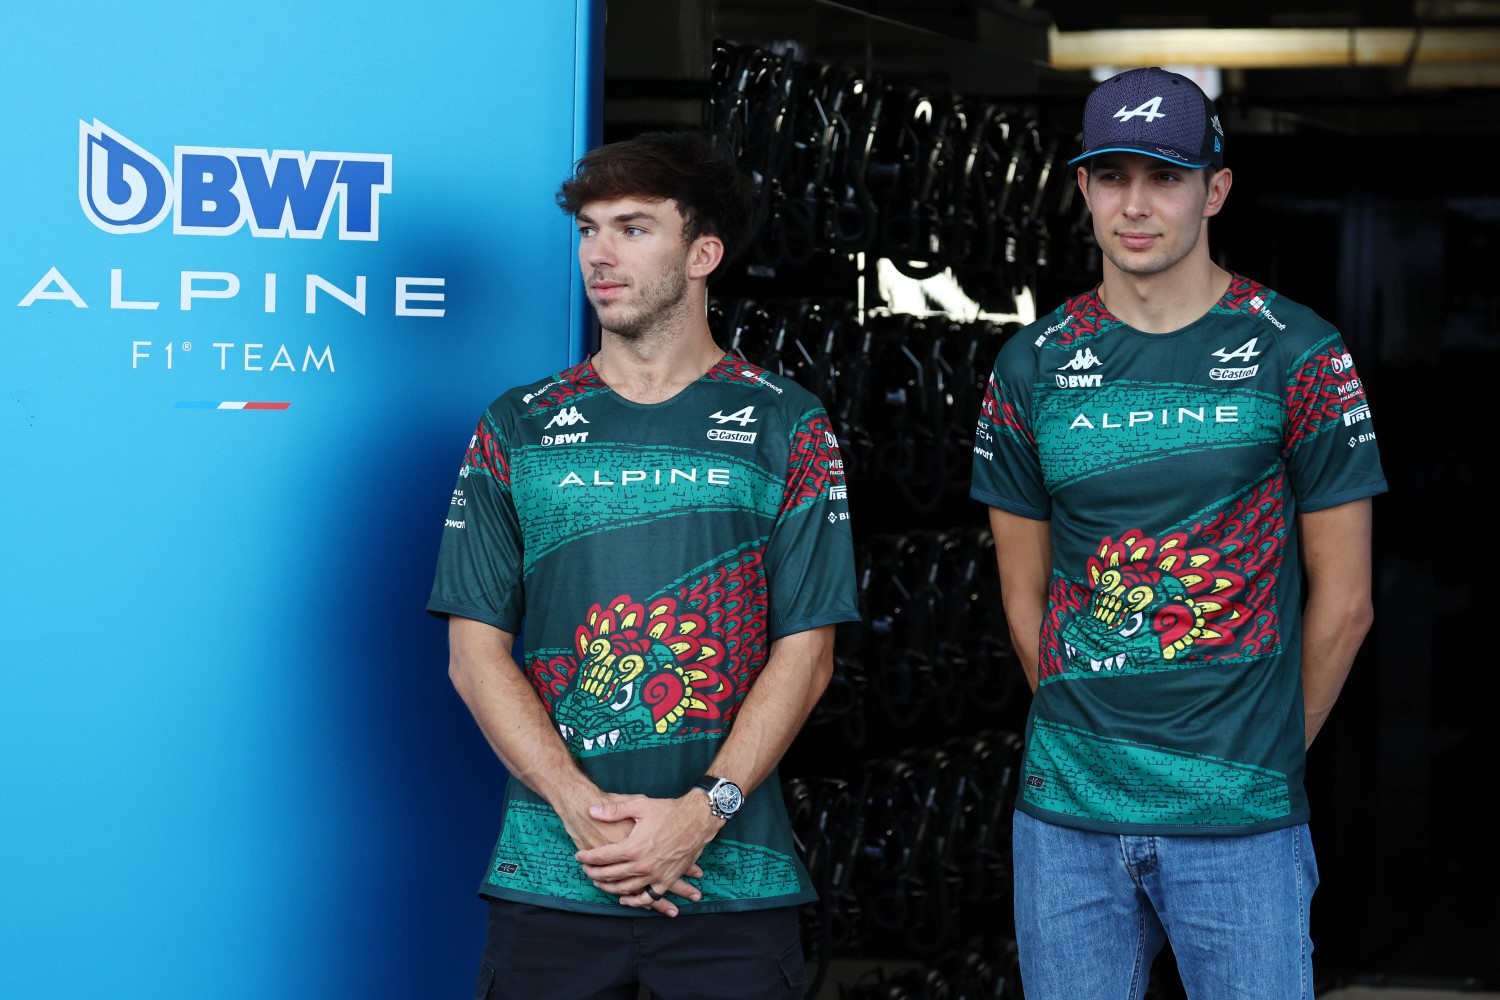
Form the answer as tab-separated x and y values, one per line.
568	416
1082	360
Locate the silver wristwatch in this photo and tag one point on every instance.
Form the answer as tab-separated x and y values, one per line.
724	796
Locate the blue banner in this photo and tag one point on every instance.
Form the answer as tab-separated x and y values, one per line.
262	269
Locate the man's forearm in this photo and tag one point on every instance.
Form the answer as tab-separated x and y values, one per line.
795	676
1331	637
509	714
1025	638
1023	557
1339	609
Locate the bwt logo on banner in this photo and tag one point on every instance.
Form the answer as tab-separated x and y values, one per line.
218	190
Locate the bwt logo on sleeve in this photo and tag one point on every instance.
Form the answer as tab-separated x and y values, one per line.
217	190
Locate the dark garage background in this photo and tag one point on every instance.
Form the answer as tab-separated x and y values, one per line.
1365	192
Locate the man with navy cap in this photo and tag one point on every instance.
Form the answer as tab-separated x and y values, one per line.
1178	465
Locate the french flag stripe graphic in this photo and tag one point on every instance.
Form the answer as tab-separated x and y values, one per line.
209	404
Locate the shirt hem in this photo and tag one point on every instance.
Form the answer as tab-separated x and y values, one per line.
1348	496
816	621
1024	510
1160	829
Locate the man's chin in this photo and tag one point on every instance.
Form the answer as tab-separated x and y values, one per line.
1139	265
623	327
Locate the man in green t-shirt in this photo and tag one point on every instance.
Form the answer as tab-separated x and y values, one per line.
669	525
1163	456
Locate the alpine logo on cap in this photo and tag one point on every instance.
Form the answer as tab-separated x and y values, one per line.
1150	111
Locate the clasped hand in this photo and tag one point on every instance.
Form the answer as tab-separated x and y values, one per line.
660	852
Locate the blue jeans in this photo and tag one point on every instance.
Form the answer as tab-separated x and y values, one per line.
1093	909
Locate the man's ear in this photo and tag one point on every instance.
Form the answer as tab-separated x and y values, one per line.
1218	191
705	254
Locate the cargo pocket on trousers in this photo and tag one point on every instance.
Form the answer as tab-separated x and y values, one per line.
484	989
793	972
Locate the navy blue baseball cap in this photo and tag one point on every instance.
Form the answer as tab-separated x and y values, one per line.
1154	112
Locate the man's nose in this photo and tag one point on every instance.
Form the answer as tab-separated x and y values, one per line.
599	250
1137	203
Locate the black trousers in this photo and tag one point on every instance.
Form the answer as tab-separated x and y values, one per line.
538	953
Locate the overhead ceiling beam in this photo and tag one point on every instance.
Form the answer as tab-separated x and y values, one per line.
1279	48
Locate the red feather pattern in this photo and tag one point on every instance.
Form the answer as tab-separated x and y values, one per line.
1065	601
568	385
730	369
551	677
486	455
696	646
1089	317
811	464
1249	535
1002	414
1241	290
733	600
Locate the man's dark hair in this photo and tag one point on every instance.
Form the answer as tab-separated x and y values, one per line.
694	168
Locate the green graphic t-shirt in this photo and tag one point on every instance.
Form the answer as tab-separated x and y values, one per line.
650	554
1172	468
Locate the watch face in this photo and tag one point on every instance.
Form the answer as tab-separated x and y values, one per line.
727	798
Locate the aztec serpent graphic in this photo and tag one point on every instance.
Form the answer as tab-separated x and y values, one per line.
1165	603
649	672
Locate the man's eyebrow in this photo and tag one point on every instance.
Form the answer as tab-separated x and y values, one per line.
623	217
